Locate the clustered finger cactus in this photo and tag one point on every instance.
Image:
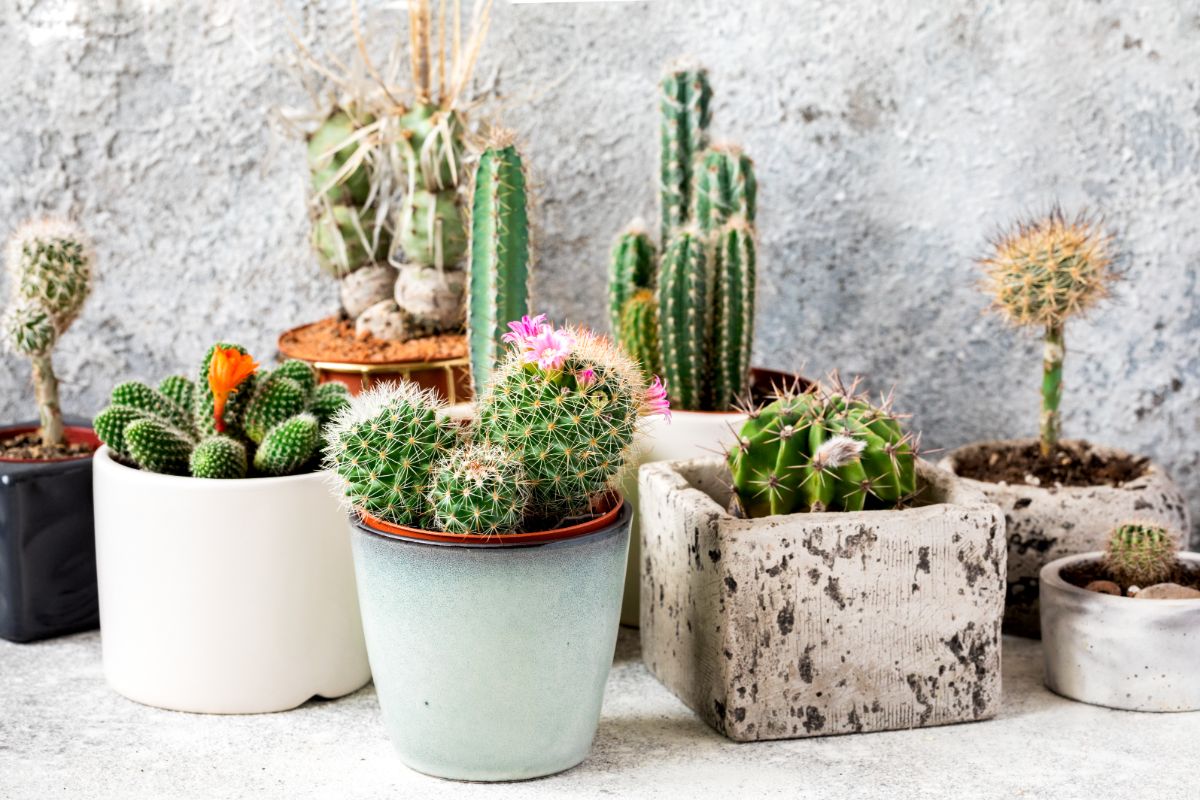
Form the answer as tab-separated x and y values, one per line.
825	449
1141	554
232	422
50	276
706	276
1041	273
554	429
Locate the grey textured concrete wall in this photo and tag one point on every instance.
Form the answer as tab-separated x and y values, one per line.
891	138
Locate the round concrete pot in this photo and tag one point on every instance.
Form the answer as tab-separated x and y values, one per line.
225	596
1049	522
490	655
1119	652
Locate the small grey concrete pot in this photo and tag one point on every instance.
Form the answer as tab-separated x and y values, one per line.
1119	652
818	624
1049	522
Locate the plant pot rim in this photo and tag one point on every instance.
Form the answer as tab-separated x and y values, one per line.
104	457
620	512
368	366
1051	576
83	433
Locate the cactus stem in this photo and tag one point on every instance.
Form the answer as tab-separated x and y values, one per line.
46	387
1052	365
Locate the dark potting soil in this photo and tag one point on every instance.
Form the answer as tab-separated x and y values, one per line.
1082	574
29	447
1073	464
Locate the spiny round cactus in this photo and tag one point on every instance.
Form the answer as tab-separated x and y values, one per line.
29	329
289	445
825	449
180	391
327	400
276	397
639	332
384	445
219	457
478	490
158	447
565	405
1141	554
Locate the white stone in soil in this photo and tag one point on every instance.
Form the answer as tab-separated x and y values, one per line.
433	299
384	320
366	287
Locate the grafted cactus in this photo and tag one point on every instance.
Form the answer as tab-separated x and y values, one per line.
822	450
50	272
499	276
725	188
631	269
684	105
683	319
1141	554
478	489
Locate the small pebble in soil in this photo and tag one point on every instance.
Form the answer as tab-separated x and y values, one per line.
1168	591
1132	591
1104	587
1033	480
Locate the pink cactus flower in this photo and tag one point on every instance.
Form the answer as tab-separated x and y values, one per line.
657	401
523	330
550	348
586	377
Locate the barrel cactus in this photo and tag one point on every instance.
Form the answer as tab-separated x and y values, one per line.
825	449
478	489
50	276
1141	554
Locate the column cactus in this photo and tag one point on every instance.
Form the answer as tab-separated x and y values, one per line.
725	188
684	104
639	332
1041	273
50	272
734	256
499	275
631	269
683	320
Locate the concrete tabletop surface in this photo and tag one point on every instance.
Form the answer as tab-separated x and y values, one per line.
65	734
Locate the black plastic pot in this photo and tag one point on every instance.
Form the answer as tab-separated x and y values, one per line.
47	543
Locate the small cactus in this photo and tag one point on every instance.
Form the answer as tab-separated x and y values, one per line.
684	106
288	445
499	275
181	391
725	189
683	319
1041	273
825	449
478	490
631	269
218	457
639	332
276	398
50	269
1141	554
158	447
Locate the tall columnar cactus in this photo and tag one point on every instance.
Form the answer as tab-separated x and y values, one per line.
478	489
632	267
499	276
1141	554
735	257
725	188
1041	273
821	450
638	332
50	273
683	320
684	105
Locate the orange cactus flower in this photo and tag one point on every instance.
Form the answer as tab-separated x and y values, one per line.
228	368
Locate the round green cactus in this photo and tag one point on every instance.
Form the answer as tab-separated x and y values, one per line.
478	490
158	447
1141	554
329	151
219	457
822	450
289	445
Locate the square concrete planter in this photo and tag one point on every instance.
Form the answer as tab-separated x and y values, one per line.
820	624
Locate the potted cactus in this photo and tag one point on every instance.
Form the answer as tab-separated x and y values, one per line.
821	579
226	583
1119	625
1060	496
495	550
688	314
47	555
388	167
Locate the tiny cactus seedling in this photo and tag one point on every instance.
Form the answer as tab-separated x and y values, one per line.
50	270
825	449
684	105
725	189
1040	274
1141	554
479	490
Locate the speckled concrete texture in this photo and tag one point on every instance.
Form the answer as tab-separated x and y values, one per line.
890	139
63	733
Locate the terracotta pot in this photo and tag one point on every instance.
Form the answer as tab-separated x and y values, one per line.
816	624
1047	522
1119	652
450	378
47	542
490	654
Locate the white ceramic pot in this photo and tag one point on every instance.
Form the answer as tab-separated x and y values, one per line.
225	596
1119	652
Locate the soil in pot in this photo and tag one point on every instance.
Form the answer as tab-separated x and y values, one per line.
1073	464
1088	572
333	340
28	446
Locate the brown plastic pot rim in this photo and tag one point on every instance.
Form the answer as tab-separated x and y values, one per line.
1051	575
72	433
613	503
360	367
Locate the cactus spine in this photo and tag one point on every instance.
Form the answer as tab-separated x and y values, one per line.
479	490
683	298
1140	554
50	270
499	276
684	105
631	269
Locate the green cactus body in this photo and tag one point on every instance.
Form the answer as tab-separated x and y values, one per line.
327	400
1141	554
639	332
326	163
478	490
631	269
218	457
683	303
436	141
276	397
235	406
821	451
288	446
384	447
110	426
431	229
498	288
725	189
180	391
684	105
733	320
345	239
301	372
151	402
158	447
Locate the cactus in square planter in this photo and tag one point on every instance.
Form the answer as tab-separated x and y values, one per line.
825	449
705	278
233	421
50	275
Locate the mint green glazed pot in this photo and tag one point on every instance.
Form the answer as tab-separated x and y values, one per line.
490	658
